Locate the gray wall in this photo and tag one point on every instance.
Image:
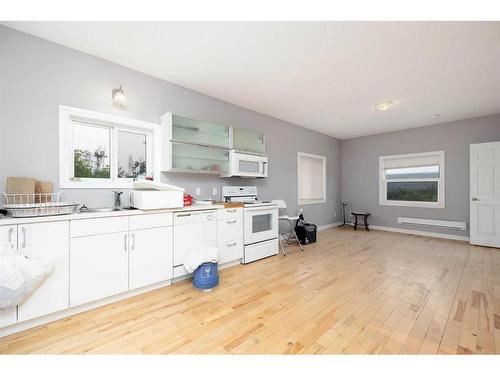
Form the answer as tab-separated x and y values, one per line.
36	76
360	168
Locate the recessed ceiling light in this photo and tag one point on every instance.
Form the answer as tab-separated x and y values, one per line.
385	105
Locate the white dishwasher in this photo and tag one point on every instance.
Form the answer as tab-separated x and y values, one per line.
192	229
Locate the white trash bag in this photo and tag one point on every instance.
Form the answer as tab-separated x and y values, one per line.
19	276
199	255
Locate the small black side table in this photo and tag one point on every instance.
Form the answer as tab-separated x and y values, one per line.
365	219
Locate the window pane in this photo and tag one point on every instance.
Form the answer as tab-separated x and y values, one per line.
91	145
425	191
131	155
431	171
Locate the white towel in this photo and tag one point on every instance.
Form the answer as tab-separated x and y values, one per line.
19	276
200	255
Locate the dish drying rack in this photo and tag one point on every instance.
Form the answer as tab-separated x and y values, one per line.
38	204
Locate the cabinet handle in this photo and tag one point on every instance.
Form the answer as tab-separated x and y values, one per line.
133	241
183	215
23	230
233	210
231	244
232	222
125	243
11	230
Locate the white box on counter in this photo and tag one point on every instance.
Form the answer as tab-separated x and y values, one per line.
155	199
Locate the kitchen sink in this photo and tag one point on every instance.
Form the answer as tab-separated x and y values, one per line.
105	209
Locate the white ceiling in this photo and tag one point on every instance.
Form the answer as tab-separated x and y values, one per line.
321	75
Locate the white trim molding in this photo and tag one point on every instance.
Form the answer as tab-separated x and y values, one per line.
412	160
69	114
328	226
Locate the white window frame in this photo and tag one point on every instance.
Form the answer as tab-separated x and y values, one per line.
441	186
66	159
303	202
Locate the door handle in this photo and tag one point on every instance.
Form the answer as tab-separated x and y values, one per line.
23	230
475	199
11	230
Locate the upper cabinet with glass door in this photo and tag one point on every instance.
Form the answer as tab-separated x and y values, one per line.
194	146
191	131
249	141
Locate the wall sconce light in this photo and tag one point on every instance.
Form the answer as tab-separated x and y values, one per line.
118	96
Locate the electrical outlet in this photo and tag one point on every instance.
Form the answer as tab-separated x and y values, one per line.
198	191
214	191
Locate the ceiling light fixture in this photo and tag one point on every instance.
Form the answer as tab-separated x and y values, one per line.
385	105
118	97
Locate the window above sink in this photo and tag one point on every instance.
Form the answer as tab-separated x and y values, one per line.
104	151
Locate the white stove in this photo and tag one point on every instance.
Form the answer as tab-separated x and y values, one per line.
260	219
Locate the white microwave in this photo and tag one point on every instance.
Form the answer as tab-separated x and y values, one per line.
246	165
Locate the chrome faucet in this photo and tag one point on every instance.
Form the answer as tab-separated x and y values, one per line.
118	202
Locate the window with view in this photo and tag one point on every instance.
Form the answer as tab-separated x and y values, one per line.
99	150
414	180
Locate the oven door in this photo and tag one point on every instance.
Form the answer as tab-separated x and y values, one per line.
245	165
261	224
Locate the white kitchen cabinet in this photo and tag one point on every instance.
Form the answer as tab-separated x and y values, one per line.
150	256
99	267
8	237
230	251
230	228
48	241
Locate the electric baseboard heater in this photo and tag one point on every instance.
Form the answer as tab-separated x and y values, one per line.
433	223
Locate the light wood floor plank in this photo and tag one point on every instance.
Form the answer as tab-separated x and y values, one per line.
352	292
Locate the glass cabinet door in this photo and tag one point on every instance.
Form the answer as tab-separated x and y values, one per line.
246	140
199	132
193	158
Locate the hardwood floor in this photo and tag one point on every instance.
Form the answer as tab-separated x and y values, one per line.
353	292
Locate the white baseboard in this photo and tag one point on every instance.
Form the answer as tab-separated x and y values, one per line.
421	233
328	226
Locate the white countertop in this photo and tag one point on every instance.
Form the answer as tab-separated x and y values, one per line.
91	215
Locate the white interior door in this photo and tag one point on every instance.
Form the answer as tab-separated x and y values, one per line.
485	194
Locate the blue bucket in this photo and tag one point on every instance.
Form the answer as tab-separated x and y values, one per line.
206	276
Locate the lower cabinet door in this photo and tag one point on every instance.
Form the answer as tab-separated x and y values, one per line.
150	257
48	241
98	267
8	317
230	251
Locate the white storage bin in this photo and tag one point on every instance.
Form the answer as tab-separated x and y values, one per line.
154	200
